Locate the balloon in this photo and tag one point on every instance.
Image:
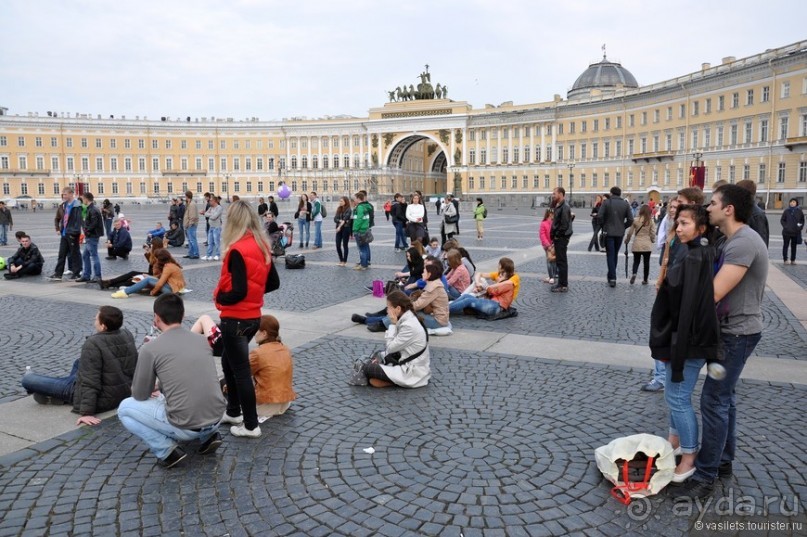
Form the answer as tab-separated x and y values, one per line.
284	191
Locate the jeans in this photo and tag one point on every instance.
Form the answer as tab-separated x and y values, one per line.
147	420
552	268
561	261
428	320
482	305
683	422
595	239
235	336
612	245
318	233
660	372
145	283
364	253
641	256
3	234
342	241
58	388
214	241
718	407
68	247
452	293
305	231
788	241
400	235
193	246
90	257
108	227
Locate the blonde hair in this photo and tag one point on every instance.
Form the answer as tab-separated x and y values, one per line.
240	219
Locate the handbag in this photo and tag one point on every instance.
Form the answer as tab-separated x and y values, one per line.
602	240
364	238
550	253
272	280
452	219
392	285
295	261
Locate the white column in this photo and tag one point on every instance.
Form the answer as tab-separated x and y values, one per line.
554	141
319	152
523	158
299	151
532	144
487	133
361	151
308	138
543	143
510	146
453	146
477	134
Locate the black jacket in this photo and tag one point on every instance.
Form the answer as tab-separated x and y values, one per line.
792	221
121	239
175	237
683	322
93	222
562	222
759	223
615	216
105	372
273	209
309	208
398	212
27	258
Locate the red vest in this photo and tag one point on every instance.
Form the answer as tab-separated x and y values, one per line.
257	272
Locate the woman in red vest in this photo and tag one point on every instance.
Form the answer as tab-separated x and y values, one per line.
239	298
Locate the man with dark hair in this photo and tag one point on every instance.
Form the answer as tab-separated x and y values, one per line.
189	404
738	286
398	213
691	195
68	225
189	223
759	220
273	207
792	224
615	217
6	223
28	261
560	232
93	223
316	215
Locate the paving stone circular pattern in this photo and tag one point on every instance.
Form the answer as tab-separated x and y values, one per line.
495	445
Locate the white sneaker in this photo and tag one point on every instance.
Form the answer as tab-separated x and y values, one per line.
215	258
204	258
232	420
241	430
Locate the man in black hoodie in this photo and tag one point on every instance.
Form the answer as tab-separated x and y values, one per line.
615	217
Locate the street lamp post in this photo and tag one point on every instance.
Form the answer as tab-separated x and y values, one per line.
227	186
571	182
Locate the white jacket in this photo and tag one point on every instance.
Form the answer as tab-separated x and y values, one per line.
408	336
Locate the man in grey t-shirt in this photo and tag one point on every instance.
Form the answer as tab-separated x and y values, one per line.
739	285
188	405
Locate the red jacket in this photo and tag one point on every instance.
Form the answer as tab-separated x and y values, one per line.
257	272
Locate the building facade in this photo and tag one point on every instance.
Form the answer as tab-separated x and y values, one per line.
744	119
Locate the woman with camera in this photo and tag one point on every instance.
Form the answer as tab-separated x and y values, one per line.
405	360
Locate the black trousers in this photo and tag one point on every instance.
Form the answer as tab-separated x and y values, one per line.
118	252
641	256
235	337
790	240
561	261
70	251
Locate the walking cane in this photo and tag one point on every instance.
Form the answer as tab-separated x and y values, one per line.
626	260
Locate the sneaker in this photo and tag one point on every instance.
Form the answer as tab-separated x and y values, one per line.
560	289
174	458
120	294
103	284
94	280
653	386
204	258
241	430
111	257
633	279
612	283
692	489
356	318
47	400
215	258
211	444
232	420
82	280
55	277
68	272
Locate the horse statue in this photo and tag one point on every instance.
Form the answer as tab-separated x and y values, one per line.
412	94
399	94
438	91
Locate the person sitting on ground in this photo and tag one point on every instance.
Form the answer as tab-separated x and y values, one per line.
413	271
406	360
100	379
492	298
156	233
175	236
272	369
189	404
167	279
19	235
119	243
125	280
457	276
28	261
453	244
431	302
434	247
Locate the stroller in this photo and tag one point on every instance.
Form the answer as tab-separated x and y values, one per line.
280	238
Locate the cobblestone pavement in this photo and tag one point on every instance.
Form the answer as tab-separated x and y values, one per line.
491	447
496	445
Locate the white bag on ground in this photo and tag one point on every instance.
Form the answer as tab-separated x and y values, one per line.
626	448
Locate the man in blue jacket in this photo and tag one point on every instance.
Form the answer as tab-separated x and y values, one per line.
120	241
69	229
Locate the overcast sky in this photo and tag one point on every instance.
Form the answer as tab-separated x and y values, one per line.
277	59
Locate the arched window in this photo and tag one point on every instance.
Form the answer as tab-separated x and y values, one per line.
293	162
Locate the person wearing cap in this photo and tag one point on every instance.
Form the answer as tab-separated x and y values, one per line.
272	368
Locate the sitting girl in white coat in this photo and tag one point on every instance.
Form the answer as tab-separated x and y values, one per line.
406	356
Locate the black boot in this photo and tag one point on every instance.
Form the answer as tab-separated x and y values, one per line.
376	327
356	318
379	313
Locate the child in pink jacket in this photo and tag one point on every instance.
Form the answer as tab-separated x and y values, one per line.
546	242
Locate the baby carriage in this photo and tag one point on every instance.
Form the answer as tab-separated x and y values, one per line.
281	237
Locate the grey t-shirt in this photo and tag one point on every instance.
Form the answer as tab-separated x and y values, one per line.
739	311
183	362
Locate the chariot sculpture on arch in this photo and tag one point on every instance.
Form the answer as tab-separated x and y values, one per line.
423	91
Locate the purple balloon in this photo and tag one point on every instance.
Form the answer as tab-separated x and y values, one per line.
283	192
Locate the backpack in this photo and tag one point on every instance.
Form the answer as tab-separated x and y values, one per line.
322	210
372	213
484	212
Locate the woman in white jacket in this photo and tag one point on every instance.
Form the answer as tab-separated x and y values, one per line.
416	220
406	356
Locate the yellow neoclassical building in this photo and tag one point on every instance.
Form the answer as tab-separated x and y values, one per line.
744	119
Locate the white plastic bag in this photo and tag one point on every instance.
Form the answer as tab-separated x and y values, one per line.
626	448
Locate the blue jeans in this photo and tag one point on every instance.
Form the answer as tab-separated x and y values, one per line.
305	231
58	388
718	407
90	255
318	234
235	336
452	293
400	235
428	320
3	234
147	420
683	422
482	305
108	226
612	245
145	283
193	246
364	253
660	372
214	241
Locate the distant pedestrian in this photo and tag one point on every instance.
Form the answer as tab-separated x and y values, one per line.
398	214
6	223
792	225
273	207
615	217
560	232
480	213
215	216
190	223
93	225
303	217
344	229
316	217
361	227
759	220
643	232
595	224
